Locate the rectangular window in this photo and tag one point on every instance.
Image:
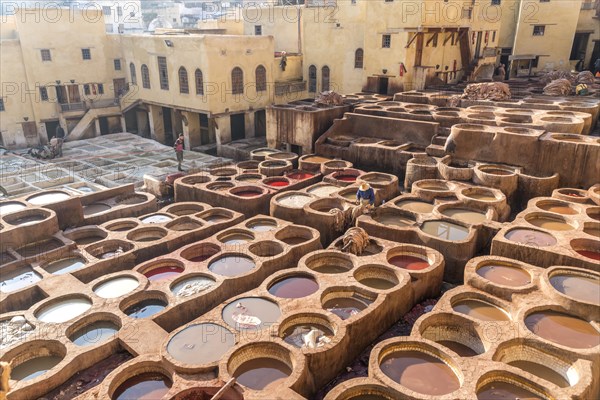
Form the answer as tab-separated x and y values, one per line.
43	93
386	41
258	30
496	2
120	11
121	28
163	73
2	104
109	28
106	10
100	88
86	54
539	30
117	64
544	1
86	89
494	37
467	13
46	55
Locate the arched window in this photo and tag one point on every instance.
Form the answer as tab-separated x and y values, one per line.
133	74
312	79
359	56
325	79
184	84
261	78
145	77
237	81
199	82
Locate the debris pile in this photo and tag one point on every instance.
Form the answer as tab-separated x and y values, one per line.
555	75
586	77
330	98
495	91
356	240
559	87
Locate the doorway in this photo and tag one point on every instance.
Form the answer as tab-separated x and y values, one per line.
104	128
61	95
383	85
595	54
168	124
204	129
51	128
580	43
74	94
31	134
120	87
260	123
238	127
477	47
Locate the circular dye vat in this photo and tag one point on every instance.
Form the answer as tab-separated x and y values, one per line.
505	275
482	196
530	237
163	273
308	336
377	283
593	231
259	373
215	218
295	200
445	230
263	226
95	333
65	266
346	307
294	287
563	329
88	240
116	287
465	215
573	194
146	308
28	220
317	159
481	310
232	265
393	220
247	193
505	391
550	224
541	371
236	238
157	219
251	313
33	368
191	286
415	206
147	386
324	191
330	268
558	208
300	176
48	198
410	263
11	207
95	208
64	310
294	240
594	255
346	178
458	348
420	372
577	286
277	183
18	279
201	344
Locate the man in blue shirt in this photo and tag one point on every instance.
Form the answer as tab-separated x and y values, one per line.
365	195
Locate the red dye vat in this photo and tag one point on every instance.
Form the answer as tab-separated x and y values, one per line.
201	258
247	193
409	262
594	255
278	183
300	176
346	178
163	273
574	194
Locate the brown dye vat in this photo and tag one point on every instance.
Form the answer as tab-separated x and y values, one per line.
88	240
563	329
377	283
415	206
215	218
263	226
466	215
505	275
251	313
592	231
393	220
410	263
35	249
95	208
293	241
28	220
163	273
33	368
236	238
295	335
579	287
347	307
531	237
331	269
260	373
480	310
420	372
550	224
505	391
497	171
542	371
445	230
200	344
147	386
482	196
594	215
232	266
558	209
247	193
294	287
317	159
458	348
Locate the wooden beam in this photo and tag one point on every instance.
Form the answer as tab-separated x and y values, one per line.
221	392
419	51
450	36
434	36
412	39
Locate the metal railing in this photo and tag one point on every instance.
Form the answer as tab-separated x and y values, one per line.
90	104
289	87
73	107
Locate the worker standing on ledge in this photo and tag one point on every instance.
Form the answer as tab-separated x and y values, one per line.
179	150
365	195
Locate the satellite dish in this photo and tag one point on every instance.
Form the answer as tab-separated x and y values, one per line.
159	22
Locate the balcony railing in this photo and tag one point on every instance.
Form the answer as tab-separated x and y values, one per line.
73	107
289	87
86	105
